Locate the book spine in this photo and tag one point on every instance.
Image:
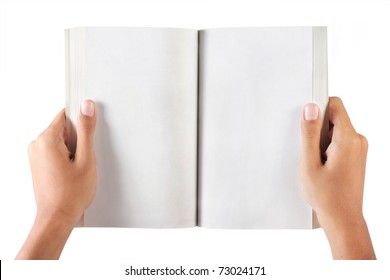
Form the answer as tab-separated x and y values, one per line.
75	80
320	80
320	88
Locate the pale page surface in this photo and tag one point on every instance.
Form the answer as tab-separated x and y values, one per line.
144	81
253	84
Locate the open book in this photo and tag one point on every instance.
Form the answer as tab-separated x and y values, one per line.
197	127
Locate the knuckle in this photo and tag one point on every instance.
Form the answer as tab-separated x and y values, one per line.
358	143
42	139
311	131
86	167
31	148
48	138
86	125
355	141
364	142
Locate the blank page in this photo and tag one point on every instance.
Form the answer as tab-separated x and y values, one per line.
253	85
144	81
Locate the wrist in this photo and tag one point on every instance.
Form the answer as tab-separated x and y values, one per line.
53	217
336	222
47	237
348	237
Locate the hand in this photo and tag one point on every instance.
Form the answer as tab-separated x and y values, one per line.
334	189
64	185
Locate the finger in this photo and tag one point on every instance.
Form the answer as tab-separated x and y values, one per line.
363	155
57	126
338	115
310	134
343	132
86	125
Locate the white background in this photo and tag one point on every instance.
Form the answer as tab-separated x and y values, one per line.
32	92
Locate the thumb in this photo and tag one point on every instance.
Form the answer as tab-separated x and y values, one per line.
86	125
311	131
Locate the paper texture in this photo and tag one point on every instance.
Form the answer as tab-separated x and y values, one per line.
144	81
253	84
158	166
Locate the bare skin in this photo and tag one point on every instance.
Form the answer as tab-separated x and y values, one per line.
335	189
63	186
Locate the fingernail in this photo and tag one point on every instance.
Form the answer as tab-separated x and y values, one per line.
311	112
87	108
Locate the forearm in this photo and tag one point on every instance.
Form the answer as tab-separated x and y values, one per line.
349	240
47	238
